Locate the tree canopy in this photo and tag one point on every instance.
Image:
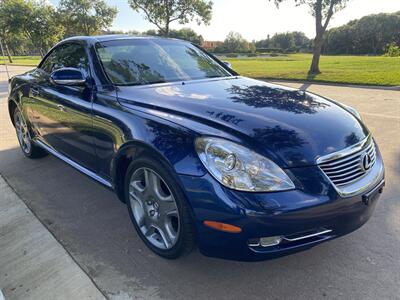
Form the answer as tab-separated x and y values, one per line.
186	34
287	42
162	13
86	17
235	43
36	21
369	35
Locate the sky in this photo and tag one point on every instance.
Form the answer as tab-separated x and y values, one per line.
254	19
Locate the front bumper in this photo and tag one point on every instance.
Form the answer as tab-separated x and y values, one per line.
315	207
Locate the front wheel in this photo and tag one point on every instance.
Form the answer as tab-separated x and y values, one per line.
158	209
24	138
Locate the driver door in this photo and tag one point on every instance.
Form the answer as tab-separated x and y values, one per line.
63	114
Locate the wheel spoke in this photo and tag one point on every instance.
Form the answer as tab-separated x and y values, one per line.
164	236
149	232
137	187
151	179
26	139
168	207
154	208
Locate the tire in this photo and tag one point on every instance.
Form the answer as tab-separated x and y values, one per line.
29	149
167	232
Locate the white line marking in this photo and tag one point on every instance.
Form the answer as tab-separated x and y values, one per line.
380	115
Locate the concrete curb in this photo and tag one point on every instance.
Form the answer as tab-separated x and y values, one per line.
33	264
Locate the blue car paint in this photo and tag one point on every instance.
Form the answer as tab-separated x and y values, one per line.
293	128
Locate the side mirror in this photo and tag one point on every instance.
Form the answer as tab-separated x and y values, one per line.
68	76
228	64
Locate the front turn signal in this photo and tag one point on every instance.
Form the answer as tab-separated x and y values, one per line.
223	226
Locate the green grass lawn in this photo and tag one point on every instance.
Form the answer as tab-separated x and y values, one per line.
369	70
22	60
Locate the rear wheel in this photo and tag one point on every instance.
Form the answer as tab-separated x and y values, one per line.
158	209
24	138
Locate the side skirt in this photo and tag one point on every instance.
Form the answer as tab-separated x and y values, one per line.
74	164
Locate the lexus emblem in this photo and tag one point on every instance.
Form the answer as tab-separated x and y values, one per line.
366	162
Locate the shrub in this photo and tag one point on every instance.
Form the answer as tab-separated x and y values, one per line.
393	50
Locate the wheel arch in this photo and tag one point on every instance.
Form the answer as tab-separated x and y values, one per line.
126	154
12	105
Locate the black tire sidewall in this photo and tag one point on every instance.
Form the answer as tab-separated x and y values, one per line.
186	238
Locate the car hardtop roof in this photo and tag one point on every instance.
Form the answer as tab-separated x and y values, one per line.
114	37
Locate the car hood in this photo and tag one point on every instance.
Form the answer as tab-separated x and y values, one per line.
288	125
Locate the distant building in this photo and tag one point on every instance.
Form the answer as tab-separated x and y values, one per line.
211	45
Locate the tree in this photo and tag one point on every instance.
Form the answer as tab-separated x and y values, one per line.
288	41
368	35
151	32
163	12
34	20
284	41
234	43
187	34
301	41
393	50
323	11
86	17
42	28
13	17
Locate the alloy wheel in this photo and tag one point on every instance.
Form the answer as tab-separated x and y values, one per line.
154	208
23	136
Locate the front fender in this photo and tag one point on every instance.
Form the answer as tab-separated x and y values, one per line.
173	146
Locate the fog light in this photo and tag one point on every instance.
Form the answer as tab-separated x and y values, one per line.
265	241
270	241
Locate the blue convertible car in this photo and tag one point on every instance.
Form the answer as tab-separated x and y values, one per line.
240	168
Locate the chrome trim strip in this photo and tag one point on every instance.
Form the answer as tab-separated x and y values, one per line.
69	81
346	174
345	152
359	184
73	164
350	163
307	236
340	171
254	245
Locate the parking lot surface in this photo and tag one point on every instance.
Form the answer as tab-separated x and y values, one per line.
94	227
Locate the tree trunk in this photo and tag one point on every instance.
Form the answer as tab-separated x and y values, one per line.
166	31
8	52
314	68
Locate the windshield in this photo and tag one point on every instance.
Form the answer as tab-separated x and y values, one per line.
146	61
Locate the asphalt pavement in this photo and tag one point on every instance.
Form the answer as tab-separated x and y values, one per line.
94	227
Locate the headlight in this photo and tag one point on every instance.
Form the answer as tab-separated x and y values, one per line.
239	168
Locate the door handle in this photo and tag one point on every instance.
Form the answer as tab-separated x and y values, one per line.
61	107
34	91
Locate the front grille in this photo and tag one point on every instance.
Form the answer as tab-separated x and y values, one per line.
349	168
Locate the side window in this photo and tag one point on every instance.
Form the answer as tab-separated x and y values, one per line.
67	56
72	56
50	61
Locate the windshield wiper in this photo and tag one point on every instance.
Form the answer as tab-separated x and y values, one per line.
214	76
154	82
